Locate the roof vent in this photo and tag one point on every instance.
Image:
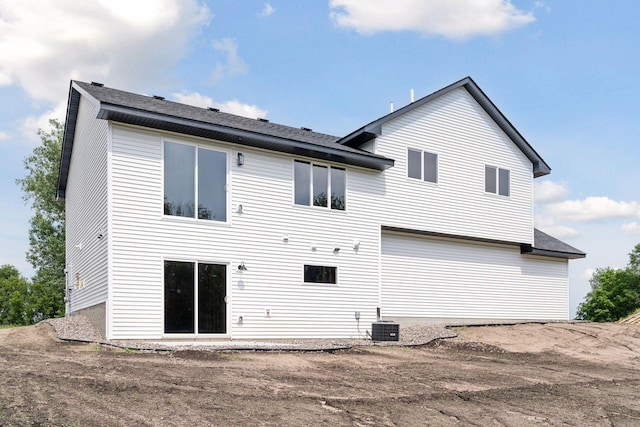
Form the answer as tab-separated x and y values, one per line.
161	98
263	120
306	129
215	110
97	84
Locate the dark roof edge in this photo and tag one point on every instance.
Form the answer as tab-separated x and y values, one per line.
71	119
373	129
529	250
238	136
447	236
525	248
547	245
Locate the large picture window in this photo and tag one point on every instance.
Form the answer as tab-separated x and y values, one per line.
319	185
320	274
422	165
195	177
497	180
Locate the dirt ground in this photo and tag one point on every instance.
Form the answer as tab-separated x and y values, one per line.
554	374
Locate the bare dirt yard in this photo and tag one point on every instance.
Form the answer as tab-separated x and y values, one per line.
553	374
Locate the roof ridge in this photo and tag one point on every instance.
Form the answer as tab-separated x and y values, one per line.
91	87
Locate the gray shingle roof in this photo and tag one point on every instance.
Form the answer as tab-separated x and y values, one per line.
109	96
158	113
544	244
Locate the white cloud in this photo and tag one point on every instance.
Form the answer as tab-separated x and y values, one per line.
125	43
233	65
267	10
4	135
588	273
231	107
236	107
632	227
548	191
195	99
549	226
31	124
458	19
592	209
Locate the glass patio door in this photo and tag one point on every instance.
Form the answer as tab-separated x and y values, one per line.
195	298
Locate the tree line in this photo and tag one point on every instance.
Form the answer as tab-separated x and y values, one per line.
24	301
615	293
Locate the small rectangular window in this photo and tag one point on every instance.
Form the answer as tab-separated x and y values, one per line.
489	179
503	181
497	180
422	165
338	186
320	274
414	164
179	179
430	167
319	185
302	183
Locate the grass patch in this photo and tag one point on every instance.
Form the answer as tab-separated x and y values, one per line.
9	326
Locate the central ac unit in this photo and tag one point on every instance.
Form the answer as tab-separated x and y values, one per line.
385	331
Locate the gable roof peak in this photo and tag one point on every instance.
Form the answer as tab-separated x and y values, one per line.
374	129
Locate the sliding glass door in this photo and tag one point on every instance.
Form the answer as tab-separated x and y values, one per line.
195	298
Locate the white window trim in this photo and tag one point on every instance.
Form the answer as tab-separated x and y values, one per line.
228	183
406	175
497	169
329	167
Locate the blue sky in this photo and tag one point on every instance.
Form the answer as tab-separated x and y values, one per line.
566	74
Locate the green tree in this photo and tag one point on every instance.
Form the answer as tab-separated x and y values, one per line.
14	290
615	293
47	226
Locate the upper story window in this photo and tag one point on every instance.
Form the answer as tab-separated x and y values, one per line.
497	180
195	182
314	183
422	165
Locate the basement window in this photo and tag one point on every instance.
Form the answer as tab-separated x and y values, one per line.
320	274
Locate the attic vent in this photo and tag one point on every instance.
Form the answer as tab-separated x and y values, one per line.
97	84
263	120
306	129
161	98
215	110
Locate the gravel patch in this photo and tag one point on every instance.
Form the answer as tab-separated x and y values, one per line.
78	328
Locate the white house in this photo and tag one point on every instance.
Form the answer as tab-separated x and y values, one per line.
186	222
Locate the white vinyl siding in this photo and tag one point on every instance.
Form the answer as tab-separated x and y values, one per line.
86	204
143	238
275	238
465	139
437	278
